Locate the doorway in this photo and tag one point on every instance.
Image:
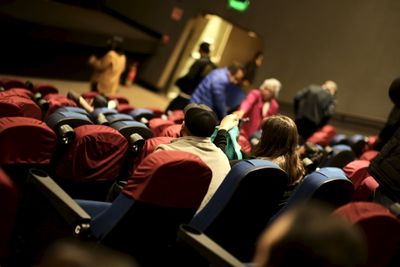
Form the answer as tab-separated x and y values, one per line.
228	43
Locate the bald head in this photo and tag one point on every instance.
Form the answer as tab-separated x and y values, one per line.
331	86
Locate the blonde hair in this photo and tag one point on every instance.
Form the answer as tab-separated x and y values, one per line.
272	84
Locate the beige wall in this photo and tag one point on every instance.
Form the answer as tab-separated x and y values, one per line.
354	42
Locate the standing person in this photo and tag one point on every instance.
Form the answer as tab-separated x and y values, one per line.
199	124
200	68
251	69
259	104
212	89
313	107
108	69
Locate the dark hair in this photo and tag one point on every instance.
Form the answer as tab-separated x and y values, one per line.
235	67
115	43
205	47
316	237
200	120
279	138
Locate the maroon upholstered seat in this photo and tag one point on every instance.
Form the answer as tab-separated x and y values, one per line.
177	116
357	172
9	199
172	131
369	155
149	147
22	92
157	125
9	83
96	154
18	106
25	141
171	179
324	136
119	98
124	108
45	89
57	101
381	228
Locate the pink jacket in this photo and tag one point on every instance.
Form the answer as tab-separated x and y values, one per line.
252	106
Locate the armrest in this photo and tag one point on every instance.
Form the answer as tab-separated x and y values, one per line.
61	201
214	253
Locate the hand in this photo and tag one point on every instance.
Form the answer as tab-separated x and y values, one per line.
239	113
228	122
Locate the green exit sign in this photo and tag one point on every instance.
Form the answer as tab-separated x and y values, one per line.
239	5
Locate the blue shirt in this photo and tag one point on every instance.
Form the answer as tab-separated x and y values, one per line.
212	91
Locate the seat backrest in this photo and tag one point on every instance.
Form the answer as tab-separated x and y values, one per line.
19	106
96	154
369	155
22	92
149	147
26	141
57	101
328	184
127	128
157	125
172	131
45	89
165	191
381	229
241	207
357	172
9	198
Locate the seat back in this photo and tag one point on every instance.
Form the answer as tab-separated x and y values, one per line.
172	131
381	229
165	191
26	141
357	172
241	207
329	185
92	162
157	125
19	106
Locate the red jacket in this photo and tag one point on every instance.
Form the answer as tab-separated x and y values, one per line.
252	106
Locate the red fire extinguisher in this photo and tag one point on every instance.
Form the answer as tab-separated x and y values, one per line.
131	75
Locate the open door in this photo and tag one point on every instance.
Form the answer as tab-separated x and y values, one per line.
228	43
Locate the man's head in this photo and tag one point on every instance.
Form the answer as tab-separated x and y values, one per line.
270	89
199	120
204	49
310	235
330	86
259	58
236	73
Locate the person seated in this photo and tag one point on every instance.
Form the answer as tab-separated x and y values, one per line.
259	104
310	235
199	124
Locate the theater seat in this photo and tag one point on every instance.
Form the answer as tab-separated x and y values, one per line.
88	166
165	191
381	229
242	206
172	131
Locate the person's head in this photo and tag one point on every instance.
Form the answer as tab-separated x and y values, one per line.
278	143
394	91
199	120
279	137
115	43
66	253
236	72
270	89
258	58
204	49
310	235
330	86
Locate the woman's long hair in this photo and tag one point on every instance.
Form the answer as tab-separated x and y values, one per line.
278	143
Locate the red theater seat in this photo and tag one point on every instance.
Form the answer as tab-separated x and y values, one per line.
381	228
